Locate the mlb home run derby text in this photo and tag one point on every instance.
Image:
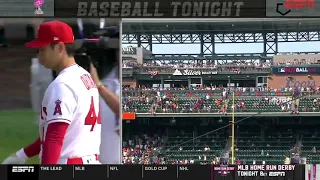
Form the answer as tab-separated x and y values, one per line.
259	170
156	9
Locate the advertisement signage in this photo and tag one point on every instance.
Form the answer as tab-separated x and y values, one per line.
293	82
129	50
197	72
295	70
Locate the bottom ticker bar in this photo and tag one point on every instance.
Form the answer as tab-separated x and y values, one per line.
161	172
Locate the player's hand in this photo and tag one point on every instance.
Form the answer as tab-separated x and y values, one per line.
13	159
94	74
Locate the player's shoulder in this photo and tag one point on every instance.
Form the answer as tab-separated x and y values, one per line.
58	86
71	75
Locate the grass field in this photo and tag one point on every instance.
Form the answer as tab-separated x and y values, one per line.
18	128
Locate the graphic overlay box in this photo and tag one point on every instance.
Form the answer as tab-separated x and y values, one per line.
94	172
22	172
223	172
116	172
270	172
190	171
292	8
14	8
159	172
161	9
54	172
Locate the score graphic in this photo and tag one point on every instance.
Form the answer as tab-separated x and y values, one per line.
297	4
223	170
292	8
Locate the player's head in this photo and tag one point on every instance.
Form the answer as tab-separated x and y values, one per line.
54	42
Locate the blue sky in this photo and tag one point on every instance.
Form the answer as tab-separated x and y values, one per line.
228	47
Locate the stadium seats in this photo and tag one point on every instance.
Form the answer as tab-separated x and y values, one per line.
194	101
182	146
310	145
273	145
309	104
254	104
271	149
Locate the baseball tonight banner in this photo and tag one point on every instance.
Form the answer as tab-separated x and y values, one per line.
163	8
161	172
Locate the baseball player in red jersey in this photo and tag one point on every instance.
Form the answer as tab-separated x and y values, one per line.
70	124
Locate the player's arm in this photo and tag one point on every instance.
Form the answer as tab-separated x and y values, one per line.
24	154
110	98
61	104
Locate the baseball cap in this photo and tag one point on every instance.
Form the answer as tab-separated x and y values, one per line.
52	32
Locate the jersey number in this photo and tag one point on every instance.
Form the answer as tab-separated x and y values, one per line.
92	118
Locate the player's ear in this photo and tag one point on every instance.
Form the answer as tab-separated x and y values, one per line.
60	47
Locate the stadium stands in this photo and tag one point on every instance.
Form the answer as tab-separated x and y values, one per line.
188	101
253	144
271	148
310	143
180	147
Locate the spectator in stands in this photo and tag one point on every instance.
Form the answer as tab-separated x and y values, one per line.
233	67
168	100
142	149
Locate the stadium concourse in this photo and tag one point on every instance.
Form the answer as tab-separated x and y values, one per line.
178	108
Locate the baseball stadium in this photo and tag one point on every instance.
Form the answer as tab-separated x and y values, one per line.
221	91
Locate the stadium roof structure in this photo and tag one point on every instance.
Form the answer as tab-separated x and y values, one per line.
219	58
207	32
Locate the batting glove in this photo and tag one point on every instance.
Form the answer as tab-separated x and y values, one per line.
19	158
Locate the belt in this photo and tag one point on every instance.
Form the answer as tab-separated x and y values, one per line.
82	160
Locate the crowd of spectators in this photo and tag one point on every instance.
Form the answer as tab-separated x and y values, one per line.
143	149
235	66
294	59
167	100
127	90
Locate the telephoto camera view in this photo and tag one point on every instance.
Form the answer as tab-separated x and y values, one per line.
61	97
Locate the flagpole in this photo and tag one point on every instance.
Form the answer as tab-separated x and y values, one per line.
232	136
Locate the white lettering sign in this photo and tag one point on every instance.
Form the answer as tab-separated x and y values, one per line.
22	169
209	72
302	70
129	50
198	73
191	72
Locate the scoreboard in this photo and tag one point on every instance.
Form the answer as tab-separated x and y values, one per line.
155	172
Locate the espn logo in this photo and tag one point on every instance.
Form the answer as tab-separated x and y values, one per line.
22	169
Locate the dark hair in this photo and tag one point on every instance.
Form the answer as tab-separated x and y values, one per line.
70	49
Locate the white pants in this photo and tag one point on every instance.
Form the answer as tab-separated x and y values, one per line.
110	148
91	159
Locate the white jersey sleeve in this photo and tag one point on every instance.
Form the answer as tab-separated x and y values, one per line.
60	103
